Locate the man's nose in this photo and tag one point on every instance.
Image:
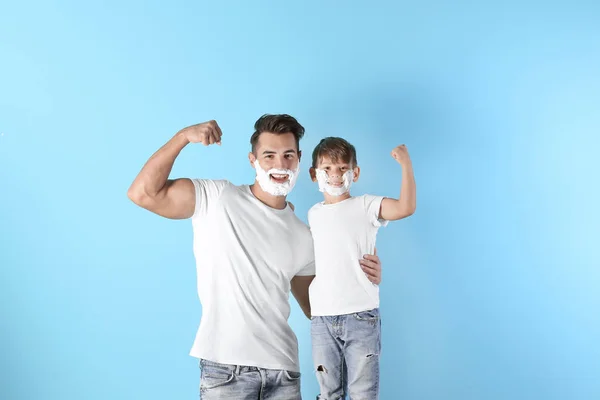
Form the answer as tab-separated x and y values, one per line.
285	163
280	163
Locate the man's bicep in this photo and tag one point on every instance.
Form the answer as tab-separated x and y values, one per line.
177	200
300	285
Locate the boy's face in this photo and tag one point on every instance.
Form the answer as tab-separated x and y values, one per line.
335	171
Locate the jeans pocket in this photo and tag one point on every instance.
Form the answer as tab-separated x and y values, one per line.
370	315
291	375
214	375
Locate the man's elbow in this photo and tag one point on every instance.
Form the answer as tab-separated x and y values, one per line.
137	195
308	313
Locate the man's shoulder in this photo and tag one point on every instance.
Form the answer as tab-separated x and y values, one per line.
220	185
223	182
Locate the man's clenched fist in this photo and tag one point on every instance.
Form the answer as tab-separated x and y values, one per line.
206	133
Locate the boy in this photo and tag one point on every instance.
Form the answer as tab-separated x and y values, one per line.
346	327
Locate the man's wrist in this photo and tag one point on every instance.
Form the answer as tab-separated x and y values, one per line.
181	137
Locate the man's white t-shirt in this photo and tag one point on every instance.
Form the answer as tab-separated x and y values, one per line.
342	234
246	255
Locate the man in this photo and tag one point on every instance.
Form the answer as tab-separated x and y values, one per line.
250	250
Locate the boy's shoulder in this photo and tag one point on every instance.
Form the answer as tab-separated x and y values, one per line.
315	207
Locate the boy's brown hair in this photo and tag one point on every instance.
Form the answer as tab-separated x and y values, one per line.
336	149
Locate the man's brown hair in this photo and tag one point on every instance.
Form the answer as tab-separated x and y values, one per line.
336	149
277	124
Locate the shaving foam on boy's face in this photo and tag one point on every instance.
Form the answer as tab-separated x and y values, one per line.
276	181
332	185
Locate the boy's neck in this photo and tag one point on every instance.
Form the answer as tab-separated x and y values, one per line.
329	199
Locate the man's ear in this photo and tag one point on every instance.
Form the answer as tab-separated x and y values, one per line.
313	174
251	158
356	173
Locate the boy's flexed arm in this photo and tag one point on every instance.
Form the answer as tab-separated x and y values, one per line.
405	205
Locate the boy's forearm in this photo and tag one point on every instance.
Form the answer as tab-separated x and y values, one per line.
408	190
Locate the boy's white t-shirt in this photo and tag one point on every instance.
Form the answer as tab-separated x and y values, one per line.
342	234
246	255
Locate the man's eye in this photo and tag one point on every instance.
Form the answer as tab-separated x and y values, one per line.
269	156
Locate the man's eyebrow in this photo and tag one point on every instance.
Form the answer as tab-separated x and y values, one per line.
273	152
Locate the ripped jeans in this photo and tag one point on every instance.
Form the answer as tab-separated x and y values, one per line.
345	351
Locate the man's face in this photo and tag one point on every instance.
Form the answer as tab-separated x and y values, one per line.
276	151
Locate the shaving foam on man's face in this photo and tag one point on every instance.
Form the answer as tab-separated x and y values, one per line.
332	186
276	182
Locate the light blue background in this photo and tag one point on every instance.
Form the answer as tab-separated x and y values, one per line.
491	290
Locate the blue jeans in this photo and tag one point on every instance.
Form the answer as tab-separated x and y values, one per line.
346	355
237	382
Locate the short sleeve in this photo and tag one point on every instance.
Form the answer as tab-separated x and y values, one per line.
373	208
207	193
307	253
308	269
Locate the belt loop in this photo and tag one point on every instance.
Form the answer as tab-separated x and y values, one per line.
237	369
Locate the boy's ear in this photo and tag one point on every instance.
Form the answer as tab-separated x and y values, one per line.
313	174
356	173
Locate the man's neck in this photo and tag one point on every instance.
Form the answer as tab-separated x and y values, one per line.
277	202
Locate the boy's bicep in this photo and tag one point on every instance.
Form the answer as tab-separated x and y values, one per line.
387	209
377	208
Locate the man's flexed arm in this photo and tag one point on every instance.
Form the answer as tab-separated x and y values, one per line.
171	198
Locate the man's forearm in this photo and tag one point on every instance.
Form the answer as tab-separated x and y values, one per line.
155	173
